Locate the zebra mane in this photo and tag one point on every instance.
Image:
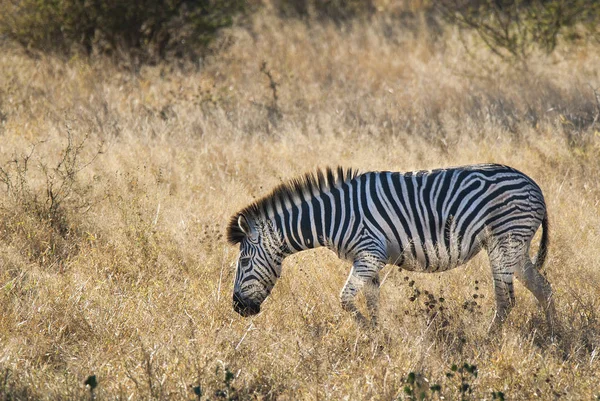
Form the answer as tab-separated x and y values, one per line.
292	192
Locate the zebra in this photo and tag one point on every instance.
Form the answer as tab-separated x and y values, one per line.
424	221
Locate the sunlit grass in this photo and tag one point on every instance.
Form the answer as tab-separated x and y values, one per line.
134	285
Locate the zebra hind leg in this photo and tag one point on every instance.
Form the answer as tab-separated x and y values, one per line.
539	287
504	257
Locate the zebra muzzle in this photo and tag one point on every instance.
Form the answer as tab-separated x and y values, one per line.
245	307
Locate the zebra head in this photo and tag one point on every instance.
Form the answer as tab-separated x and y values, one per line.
258	265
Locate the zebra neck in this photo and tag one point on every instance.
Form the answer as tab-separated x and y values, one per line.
301	227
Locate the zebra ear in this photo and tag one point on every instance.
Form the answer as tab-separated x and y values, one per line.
247	227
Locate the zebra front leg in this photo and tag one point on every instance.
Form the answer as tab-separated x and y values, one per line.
348	297
364	275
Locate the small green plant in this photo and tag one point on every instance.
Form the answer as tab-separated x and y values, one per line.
228	392
465	374
498	395
415	389
197	391
409	388
91	382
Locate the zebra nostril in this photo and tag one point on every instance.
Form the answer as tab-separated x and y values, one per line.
245	307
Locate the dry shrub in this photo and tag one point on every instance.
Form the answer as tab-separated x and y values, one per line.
43	204
515	29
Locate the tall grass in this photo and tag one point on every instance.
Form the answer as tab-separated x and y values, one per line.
134	285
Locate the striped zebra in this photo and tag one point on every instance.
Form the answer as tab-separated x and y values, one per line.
426	221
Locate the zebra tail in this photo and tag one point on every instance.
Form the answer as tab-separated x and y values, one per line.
543	250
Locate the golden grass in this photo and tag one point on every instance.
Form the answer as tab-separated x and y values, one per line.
130	278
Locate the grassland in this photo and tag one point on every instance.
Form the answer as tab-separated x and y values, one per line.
116	187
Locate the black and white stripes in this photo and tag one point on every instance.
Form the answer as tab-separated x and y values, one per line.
428	221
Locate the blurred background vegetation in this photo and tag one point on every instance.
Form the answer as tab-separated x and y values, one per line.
150	31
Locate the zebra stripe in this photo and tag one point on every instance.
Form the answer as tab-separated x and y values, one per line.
426	221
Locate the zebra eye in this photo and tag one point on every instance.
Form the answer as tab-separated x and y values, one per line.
245	260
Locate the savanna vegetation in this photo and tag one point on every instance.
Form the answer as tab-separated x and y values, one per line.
125	149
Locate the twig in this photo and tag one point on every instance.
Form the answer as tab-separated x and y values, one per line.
244	336
385	277
274	113
221	277
156	216
272	83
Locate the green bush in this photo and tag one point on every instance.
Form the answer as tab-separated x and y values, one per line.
147	29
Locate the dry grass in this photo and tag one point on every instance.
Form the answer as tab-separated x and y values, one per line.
129	276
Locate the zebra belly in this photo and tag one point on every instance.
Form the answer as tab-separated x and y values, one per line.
430	257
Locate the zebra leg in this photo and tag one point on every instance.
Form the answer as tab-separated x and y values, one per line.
539	287
503	260
364	275
353	284
371	291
